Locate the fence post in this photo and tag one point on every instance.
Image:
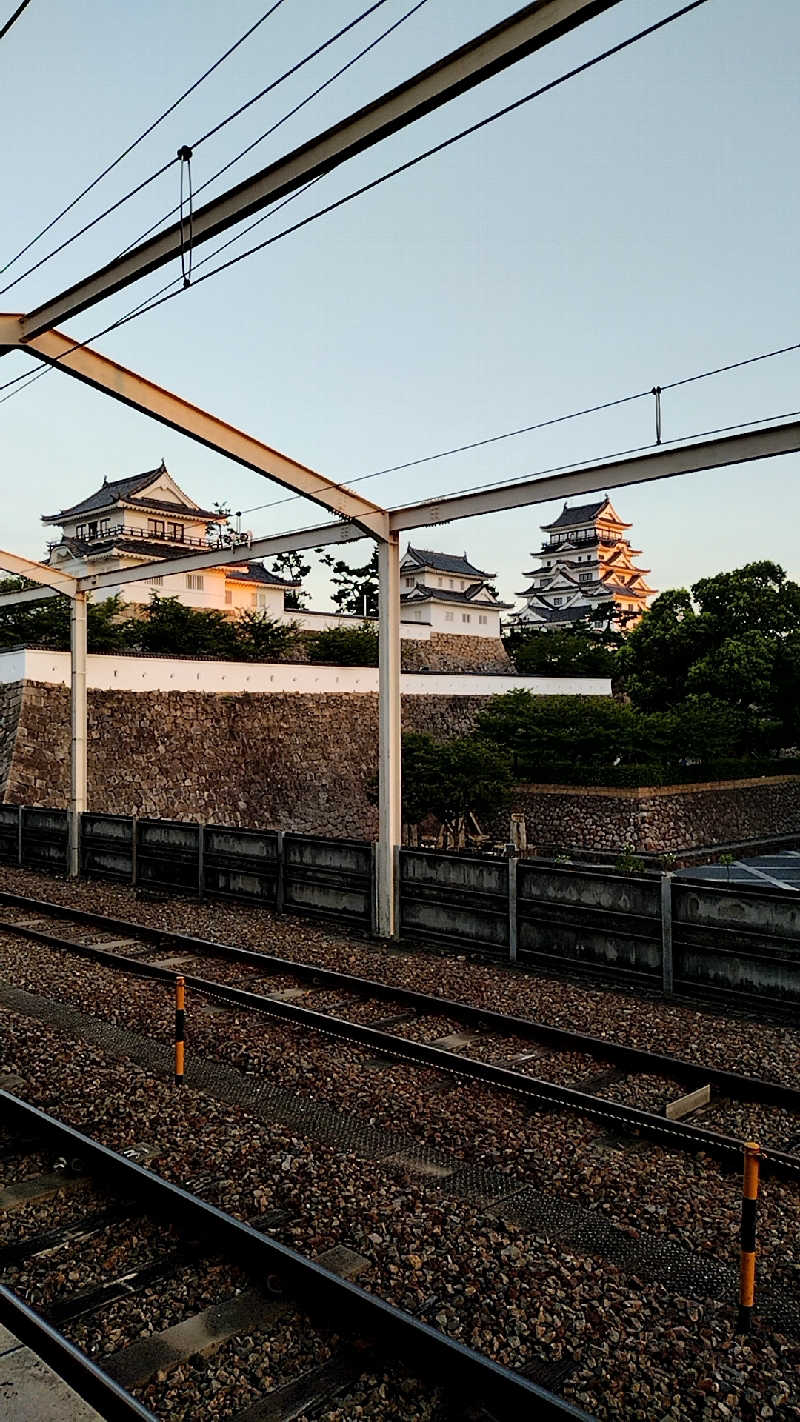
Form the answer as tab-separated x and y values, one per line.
134	846
280	882
666	933
180	1030
373	888
396	890
201	860
20	809
512	908
747	1258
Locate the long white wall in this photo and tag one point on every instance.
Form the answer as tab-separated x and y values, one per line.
115	673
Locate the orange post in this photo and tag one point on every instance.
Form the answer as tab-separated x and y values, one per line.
747	1260
180	1029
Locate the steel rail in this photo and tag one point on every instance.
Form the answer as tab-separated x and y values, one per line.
631	1119
732	1084
422	1349
83	1376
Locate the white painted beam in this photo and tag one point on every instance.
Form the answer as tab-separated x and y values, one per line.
389	738
56	348
79	712
29	595
663	463
40	573
316	537
496	49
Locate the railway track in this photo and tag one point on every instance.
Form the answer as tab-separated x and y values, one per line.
412	1033
265	1291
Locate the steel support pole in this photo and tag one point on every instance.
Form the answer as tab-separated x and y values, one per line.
389	814
79	711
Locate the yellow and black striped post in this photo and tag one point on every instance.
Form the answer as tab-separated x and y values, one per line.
747	1264
180	1029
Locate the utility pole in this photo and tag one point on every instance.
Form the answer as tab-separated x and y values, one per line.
79	710
389	784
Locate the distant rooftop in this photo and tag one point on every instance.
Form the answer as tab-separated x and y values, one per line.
445	563
113	491
582	513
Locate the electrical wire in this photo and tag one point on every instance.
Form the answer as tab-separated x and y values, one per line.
146	182
14	18
275	126
142	136
605	458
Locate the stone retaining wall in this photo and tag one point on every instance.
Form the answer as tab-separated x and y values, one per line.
657	819
283	760
308	762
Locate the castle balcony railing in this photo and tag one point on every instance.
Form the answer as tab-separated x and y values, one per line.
582	540
224	539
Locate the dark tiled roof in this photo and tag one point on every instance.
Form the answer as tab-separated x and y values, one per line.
257	573
114	491
108	493
421	593
446	563
579	513
182	510
564	614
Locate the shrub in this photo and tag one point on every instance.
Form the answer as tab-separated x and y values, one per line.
345	646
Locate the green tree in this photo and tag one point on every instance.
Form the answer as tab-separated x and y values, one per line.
563	652
46	624
452	779
261	638
293	567
356	587
735	637
169	628
345	646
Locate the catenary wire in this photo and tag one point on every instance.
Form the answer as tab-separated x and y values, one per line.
429	152
160	297
142	136
146	182
278	124
13	19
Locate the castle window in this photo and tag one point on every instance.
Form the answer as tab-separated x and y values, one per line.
80	531
448	617
175	532
483	620
585	577
195	582
155	527
465	617
155	582
558	600
228	596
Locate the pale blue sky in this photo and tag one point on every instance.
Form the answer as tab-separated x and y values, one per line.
635	226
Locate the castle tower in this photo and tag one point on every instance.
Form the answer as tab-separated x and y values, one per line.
586	569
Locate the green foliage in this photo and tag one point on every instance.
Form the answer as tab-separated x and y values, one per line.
46	624
628	861
260	638
345	646
169	628
451	779
293	567
563	652
574	740
356	588
734	638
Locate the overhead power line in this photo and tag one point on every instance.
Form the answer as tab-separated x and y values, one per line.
14	18
142	136
279	123
146	182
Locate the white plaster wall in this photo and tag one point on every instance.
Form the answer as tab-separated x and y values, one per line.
113	673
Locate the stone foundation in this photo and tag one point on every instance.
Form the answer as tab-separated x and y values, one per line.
282	761
656	819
